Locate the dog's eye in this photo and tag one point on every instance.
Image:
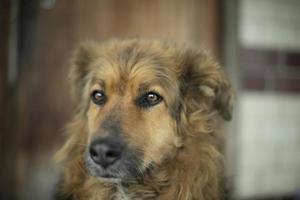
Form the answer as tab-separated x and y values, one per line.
98	97
149	99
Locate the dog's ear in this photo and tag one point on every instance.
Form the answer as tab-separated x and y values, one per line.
223	101
206	84
83	56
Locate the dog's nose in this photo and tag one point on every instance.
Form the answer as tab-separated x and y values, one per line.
105	152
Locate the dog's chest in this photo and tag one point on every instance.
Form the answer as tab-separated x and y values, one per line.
127	194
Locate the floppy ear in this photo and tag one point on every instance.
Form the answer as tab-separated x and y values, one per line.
223	101
83	56
206	83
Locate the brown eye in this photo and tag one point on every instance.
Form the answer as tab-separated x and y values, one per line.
149	99
152	97
98	97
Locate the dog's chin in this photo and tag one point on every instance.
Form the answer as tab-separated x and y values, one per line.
120	171
109	178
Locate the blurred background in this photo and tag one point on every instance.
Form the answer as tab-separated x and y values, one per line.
257	42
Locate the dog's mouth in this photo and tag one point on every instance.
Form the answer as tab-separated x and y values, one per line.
127	167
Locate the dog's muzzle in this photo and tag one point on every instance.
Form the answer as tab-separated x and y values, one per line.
110	158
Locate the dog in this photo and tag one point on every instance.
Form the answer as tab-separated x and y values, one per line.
147	123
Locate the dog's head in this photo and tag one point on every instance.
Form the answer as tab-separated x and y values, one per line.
138	98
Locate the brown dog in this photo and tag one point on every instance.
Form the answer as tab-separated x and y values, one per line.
147	123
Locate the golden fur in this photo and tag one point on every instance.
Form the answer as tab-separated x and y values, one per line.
179	139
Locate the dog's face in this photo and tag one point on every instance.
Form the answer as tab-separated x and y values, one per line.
128	118
132	97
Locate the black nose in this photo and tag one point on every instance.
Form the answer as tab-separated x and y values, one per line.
105	152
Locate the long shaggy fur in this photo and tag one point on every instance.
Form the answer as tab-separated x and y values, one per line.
199	100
